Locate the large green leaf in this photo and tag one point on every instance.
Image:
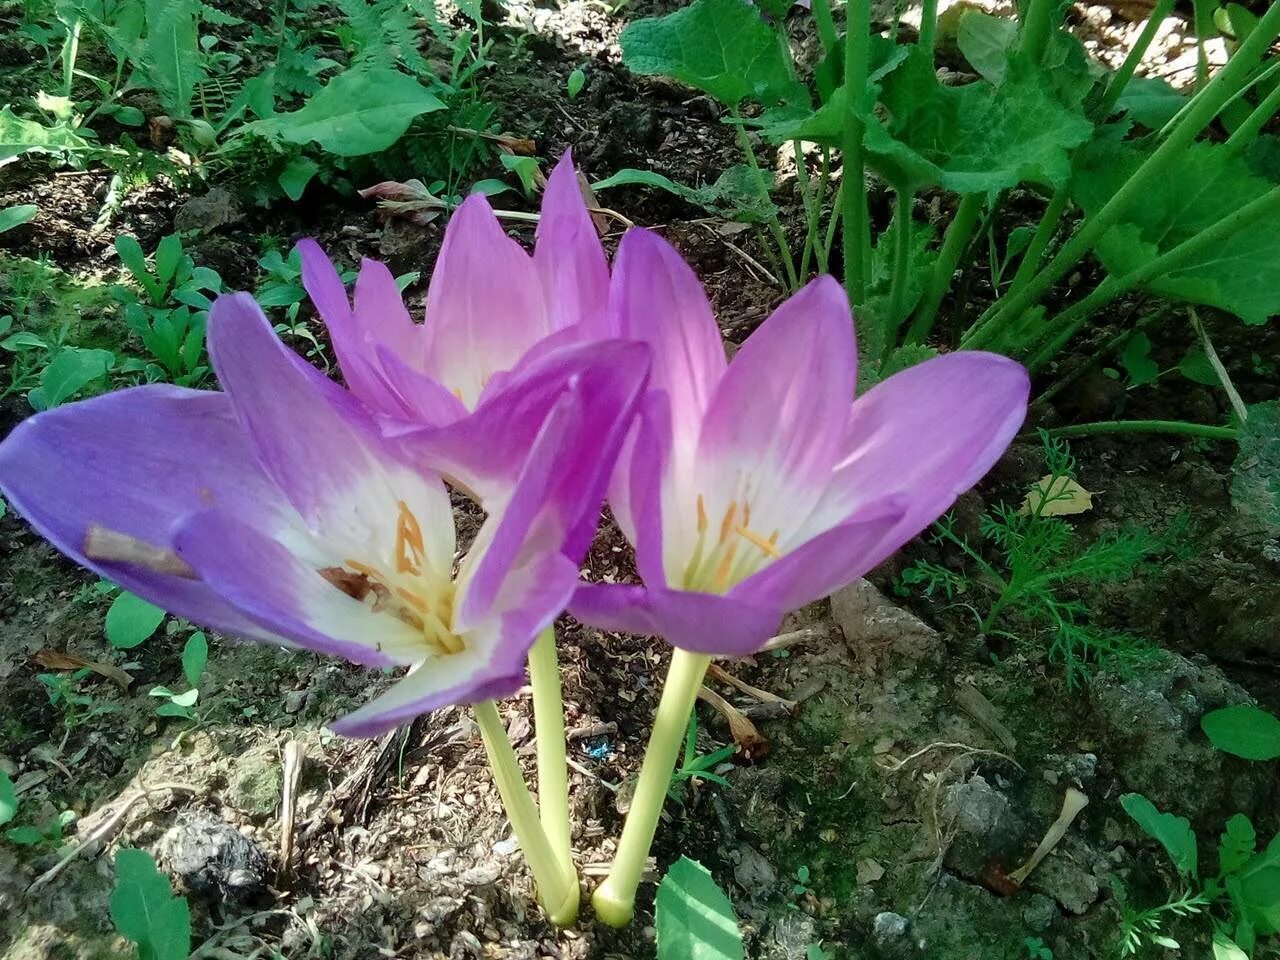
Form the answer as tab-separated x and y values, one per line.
1255	889
19	136
1241	274
170	52
1243	731
973	138
695	920
1255	481
145	910
70	371
722	47
364	110
1173	832
131	620
988	43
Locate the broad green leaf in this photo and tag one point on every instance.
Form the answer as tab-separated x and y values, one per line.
364	110
1195	366
877	327
1243	731
1173	832
973	138
194	657
24	836
295	176
1150	101
168	255
1241	274
185	699
736	193
1255	480
19	136
695	920
1237	844
131	620
1255	890
1137	362
988	42
70	371
144	909
130	253
721	47
525	168
170	52
8	799
577	80
17	215
1224	949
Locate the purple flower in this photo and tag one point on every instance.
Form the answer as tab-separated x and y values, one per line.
754	487
489	304
278	512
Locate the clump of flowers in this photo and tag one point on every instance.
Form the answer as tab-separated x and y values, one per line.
288	510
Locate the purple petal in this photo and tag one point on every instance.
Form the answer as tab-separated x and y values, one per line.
636	488
423	400
568	254
493	662
656	298
137	462
286	595
485	303
701	622
926	434
775	425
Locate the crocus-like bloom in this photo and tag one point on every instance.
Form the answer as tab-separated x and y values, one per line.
489	305
755	487
277	511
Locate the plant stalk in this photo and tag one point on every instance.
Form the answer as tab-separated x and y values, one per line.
775	225
553	769
1036	27
1180	427
1127	69
954	244
559	895
928	27
1247	131
1045	230
1200	112
856	227
826	26
901	268
615	899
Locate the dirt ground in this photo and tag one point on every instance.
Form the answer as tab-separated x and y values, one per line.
908	771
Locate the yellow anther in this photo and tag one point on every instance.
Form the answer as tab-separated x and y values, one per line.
725	568
702	515
766	546
726	525
410	548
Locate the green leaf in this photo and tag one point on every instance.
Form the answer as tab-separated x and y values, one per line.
973	138
8	799
577	80
525	168
19	136
1240	274
130	253
1255	890
144	909
1137	362
1150	101
695	920
194	657
295	176
1255	480
988	43
1237	844
1243	731
721	47
187	698
168	255
736	194
876	327
170	53
24	836
364	110
17	215
1195	366
131	620
70	371
1224	949
1173	832
172	709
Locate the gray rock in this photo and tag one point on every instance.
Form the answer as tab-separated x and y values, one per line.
754	873
1067	880
875	626
1039	912
212	857
976	808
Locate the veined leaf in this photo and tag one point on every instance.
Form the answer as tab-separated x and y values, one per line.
19	136
735	194
364	110
144	909
695	920
721	47
1173	832
170	52
17	215
1243	731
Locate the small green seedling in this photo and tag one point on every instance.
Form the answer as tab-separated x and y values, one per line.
195	655
47	837
1036	949
146	912
63	691
801	886
697	768
131	620
577	80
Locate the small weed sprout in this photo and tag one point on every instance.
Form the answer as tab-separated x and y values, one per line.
695	767
77	707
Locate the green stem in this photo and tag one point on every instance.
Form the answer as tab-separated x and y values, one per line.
1045	230
1180	427
1036	28
1200	112
615	899
811	204
954	243
553	769
775	225
857	230
834	222
559	896
826	26
901	268
1247	131
928	27
1074	317
1127	69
